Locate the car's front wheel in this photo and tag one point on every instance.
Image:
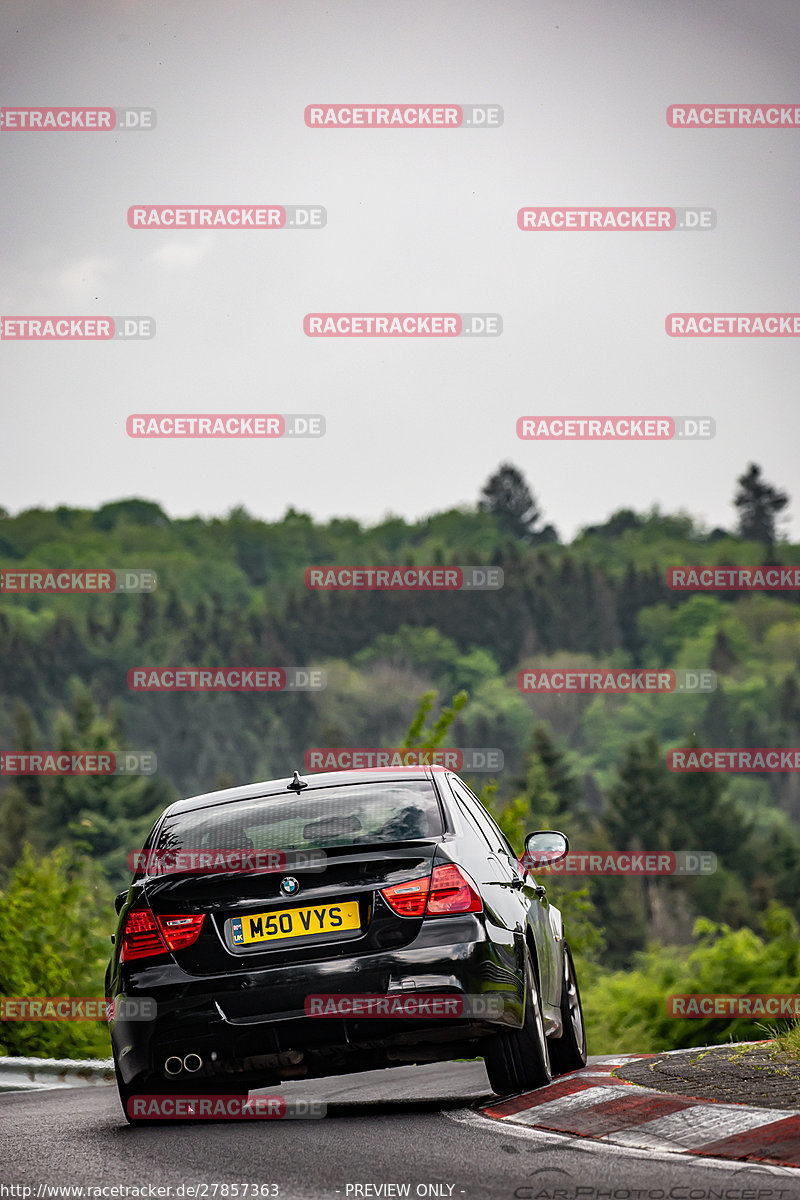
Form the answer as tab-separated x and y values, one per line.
518	1060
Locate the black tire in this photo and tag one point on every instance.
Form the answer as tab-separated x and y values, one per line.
568	1053
518	1060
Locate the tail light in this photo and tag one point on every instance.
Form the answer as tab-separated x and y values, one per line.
142	937
408	899
181	931
146	935
447	890
452	891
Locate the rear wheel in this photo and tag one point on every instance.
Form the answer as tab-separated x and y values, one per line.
568	1053
518	1060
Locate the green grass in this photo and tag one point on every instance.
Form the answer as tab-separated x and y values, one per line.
788	1040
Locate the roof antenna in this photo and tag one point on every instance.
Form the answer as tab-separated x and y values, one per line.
297	784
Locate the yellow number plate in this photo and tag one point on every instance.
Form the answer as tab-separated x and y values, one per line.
295	922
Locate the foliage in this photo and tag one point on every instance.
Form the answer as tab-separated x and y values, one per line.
102	816
787	1040
507	496
758	503
627	1010
55	917
430	737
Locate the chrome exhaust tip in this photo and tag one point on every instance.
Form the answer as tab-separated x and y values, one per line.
192	1063
173	1065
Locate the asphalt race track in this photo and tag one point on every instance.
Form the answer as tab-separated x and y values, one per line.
410	1126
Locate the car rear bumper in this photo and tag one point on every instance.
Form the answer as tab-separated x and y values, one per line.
256	1023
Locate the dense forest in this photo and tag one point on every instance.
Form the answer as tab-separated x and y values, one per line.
231	592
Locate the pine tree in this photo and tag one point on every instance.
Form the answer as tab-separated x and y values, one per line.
640	798
506	495
723	656
560	780
758	503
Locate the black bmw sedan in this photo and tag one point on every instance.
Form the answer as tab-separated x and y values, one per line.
335	923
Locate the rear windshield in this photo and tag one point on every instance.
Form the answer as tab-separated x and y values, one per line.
315	820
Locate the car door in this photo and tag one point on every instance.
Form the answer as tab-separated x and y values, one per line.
530	896
498	890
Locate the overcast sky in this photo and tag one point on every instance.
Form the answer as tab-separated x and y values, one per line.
418	221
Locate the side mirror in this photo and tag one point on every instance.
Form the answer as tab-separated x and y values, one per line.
120	901
544	847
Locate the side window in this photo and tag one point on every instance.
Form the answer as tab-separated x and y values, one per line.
504	842
139	869
481	818
499	839
468	814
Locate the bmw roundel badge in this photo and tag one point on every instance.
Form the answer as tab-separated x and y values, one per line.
290	886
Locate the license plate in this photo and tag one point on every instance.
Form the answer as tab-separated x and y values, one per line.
284	923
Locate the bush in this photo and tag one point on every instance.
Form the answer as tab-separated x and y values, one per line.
626	1011
55	918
